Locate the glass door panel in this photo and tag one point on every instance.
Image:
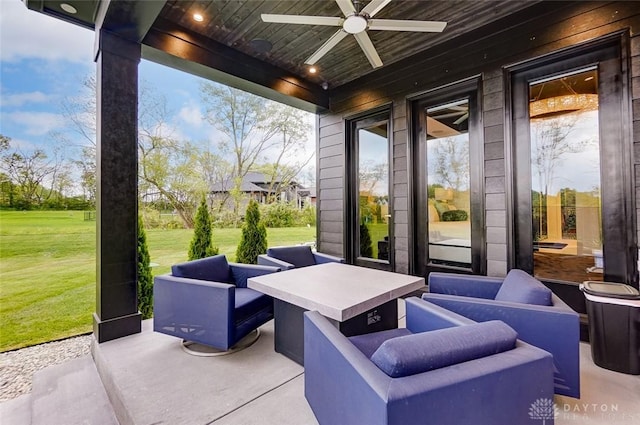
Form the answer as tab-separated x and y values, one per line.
448	189
373	192
566	207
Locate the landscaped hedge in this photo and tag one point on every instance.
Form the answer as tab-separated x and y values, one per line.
455	215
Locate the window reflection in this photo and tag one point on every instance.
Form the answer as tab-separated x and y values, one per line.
373	184
448	198
565	178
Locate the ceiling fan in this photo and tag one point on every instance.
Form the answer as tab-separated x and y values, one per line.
357	23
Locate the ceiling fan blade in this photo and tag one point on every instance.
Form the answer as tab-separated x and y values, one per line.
374	7
461	119
302	19
369	50
347	7
328	45
404	25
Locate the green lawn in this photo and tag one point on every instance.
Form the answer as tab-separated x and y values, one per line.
47	270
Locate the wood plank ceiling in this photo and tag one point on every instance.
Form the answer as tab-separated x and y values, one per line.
237	24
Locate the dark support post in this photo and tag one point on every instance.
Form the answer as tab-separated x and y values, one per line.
117	180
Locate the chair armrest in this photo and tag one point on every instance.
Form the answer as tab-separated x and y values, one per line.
242	272
326	258
182	305
265	260
499	378
465	285
555	329
423	316
342	386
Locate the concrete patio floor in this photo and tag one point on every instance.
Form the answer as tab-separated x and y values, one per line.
151	380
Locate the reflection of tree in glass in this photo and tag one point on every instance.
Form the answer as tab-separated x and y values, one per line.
452	162
550	141
370	174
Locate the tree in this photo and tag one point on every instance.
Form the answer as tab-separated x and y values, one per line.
293	129
167	167
249	126
366	247
452	162
145	279
201	243
33	173
254	236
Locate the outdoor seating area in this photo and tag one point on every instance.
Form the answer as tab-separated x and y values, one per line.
151	379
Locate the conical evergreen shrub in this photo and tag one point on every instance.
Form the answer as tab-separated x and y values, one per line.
145	278
254	236
201	244
366	249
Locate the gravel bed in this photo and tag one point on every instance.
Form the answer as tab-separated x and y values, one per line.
17	367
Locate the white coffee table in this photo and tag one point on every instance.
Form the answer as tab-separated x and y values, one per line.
357	300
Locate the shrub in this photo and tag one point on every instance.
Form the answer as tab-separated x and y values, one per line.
455	215
366	248
309	216
201	244
254	236
280	214
145	279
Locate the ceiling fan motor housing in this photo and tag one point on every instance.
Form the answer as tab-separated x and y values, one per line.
355	24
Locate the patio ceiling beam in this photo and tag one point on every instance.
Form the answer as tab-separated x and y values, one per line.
174	46
128	19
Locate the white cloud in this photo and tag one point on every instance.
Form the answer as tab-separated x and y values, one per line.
191	115
20	99
26	34
37	123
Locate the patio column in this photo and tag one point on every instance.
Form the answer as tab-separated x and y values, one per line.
116	312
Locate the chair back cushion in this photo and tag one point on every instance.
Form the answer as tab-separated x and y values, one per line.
425	351
299	256
215	269
520	287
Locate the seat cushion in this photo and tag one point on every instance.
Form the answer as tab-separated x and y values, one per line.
369	343
299	256
214	269
249	303
520	287
421	352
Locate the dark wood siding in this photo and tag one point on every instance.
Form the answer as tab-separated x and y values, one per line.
539	30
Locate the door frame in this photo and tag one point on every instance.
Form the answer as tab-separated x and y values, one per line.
351	195
610	55
471	89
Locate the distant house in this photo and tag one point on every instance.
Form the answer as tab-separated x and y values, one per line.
258	186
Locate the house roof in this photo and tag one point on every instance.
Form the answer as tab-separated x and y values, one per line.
233	45
252	182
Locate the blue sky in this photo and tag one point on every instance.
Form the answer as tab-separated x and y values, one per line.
44	60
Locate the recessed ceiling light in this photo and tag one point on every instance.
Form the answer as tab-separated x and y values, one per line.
68	8
313	70
198	17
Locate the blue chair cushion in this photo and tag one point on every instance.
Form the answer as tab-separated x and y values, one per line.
425	351
249	303
520	287
369	343
214	269
299	256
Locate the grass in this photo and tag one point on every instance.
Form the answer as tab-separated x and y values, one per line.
47	270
